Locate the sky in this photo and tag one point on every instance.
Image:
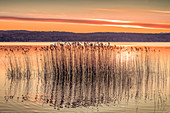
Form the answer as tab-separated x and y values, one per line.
84	16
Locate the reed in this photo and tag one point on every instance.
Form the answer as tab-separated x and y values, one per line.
88	74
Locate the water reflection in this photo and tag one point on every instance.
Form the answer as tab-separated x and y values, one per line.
70	76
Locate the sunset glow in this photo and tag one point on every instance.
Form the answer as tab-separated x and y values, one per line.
103	15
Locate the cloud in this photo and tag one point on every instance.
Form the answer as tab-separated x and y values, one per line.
110	10
129	9
95	22
159	11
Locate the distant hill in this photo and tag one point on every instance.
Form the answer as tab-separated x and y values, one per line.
38	36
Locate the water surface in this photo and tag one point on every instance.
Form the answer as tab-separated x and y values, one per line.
115	77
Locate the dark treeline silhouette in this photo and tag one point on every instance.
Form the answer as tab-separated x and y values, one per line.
37	36
87	75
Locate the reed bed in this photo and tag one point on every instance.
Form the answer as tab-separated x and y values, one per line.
89	74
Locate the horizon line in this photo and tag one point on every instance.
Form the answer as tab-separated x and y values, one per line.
89	32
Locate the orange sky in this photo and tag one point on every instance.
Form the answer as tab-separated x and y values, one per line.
41	26
86	16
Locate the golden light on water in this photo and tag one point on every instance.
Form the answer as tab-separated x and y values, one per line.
115	75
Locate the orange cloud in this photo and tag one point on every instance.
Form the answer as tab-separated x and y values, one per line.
96	22
159	11
124	10
110	10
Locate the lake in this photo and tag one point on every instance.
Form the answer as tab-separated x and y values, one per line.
82	77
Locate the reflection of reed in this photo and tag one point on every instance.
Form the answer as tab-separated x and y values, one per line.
88	75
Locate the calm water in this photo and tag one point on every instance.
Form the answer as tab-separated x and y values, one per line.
126	78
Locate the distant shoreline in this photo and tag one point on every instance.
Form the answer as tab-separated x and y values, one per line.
57	36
